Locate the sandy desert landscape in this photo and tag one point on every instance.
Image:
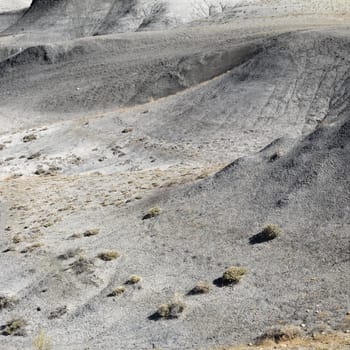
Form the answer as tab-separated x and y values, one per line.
174	174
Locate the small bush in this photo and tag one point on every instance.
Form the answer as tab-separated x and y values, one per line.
6	301
17	239
109	255
29	138
201	287
117	291
14	327
134	279
279	334
91	232
233	275
172	309
82	265
70	253
152	213
59	312
270	232
31	248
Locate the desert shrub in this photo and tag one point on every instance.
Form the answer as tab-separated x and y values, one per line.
117	291
14	327
31	248
279	334
133	279
201	287
172	309
6	301
29	138
233	274
70	253
59	312
41	342
152	213
17	239
109	255
91	232
270	232
82	265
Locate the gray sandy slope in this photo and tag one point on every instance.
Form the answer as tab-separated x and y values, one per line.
226	125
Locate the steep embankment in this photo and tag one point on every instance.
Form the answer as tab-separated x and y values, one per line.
11	11
74	18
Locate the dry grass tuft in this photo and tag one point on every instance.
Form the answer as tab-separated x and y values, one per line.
82	265
152	213
91	232
279	334
233	274
134	279
6	301
109	255
201	287
14	327
271	231
117	291
172	309
29	138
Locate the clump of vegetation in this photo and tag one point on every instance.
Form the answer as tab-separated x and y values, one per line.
270	232
201	287
34	156
29	138
172	309
70	253
59	312
6	301
75	236
41	342
82	265
233	274
109	255
17	239
279	334
31	248
152	213
91	232
14	327
134	279
117	291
